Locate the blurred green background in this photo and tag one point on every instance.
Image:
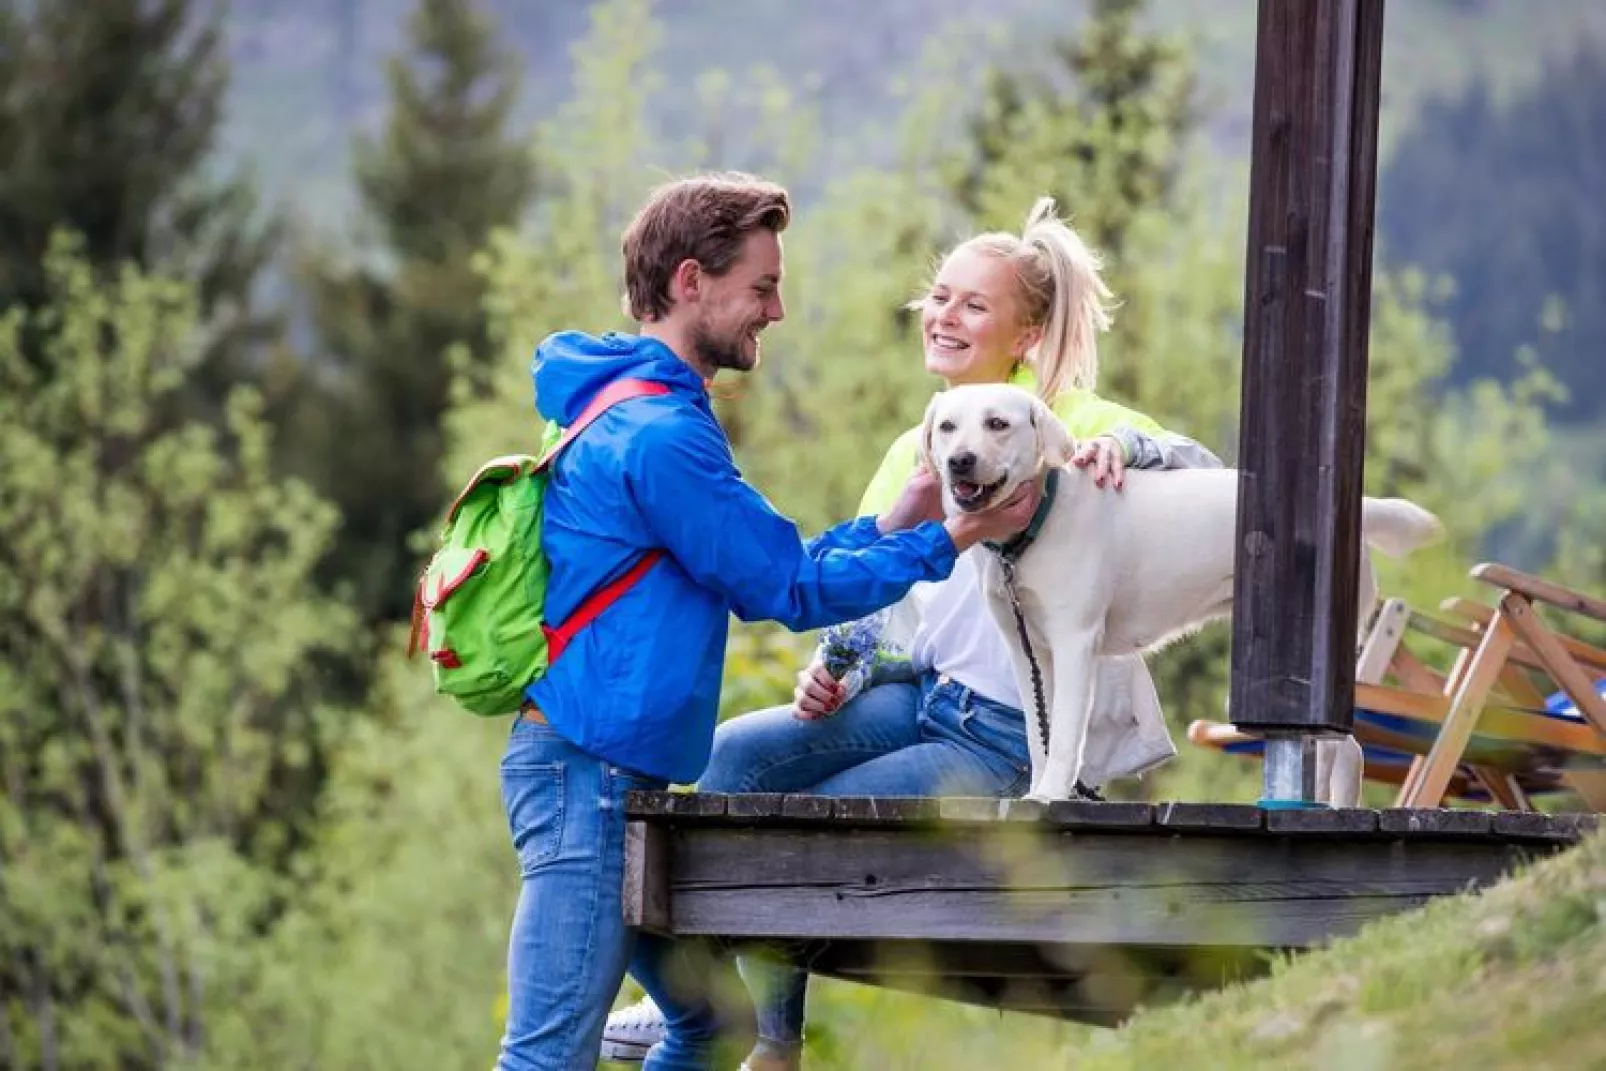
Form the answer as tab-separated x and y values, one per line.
273	273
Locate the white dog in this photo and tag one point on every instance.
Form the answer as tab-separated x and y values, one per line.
1111	573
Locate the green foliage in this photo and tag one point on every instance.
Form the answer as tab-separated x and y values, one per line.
444	176
159	723
390	952
110	111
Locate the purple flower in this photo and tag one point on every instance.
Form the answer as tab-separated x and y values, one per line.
851	644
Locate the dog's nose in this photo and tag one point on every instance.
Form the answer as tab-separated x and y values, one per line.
962	464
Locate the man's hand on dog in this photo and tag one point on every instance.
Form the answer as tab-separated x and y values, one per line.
1107	457
997	523
818	694
921	500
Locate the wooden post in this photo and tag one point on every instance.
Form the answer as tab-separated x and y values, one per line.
1307	304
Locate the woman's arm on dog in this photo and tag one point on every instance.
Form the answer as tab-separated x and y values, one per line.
1167	450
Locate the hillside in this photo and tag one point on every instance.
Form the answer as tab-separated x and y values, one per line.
308	73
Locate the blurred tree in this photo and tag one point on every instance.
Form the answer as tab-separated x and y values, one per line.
160	732
1507	201
1099	123
109	115
444	176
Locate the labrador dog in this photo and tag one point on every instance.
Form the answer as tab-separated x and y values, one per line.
1112	573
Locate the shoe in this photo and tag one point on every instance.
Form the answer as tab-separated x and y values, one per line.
631	1031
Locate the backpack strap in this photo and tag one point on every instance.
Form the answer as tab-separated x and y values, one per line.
558	638
608	397
615	392
598	601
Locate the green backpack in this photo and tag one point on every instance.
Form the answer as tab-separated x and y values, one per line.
478	607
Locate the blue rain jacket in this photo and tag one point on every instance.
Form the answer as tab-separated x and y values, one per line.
639	686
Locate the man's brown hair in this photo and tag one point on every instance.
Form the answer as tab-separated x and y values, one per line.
705	218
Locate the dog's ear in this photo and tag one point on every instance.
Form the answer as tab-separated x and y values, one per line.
1055	447
925	433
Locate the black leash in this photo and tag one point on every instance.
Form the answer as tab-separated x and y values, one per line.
1008	554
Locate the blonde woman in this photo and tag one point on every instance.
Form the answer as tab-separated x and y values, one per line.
1024	309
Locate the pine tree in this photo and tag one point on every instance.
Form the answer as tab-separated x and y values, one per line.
440	179
1101	128
109	115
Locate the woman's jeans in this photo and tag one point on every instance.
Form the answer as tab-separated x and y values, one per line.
569	945
934	738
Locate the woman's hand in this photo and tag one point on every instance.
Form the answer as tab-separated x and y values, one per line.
818	695
1107	457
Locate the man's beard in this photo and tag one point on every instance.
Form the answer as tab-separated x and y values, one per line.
727	351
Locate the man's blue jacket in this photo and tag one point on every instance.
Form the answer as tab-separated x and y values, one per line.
639	686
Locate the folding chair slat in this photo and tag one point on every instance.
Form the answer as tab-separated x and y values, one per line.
1426	789
1502	576
1578	687
1587	653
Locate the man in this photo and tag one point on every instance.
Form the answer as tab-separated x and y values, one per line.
632	701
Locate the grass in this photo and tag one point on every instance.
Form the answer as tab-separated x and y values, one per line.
1514	977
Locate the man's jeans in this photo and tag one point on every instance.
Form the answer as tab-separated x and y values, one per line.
569	945
936	738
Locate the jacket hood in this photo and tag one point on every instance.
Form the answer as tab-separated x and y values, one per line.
571	367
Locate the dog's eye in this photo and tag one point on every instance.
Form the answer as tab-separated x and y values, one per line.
946	426
997	424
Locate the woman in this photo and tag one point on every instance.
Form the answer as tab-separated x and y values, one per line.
1003	308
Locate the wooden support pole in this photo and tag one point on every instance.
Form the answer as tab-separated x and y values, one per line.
1306	312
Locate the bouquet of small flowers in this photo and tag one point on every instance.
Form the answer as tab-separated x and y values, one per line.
849	650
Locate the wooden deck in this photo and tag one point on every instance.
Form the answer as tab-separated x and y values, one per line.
1079	910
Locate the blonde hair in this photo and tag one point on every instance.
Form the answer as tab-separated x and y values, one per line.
1061	291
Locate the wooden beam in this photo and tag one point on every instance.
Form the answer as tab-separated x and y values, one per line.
1028	884
645	901
1306	312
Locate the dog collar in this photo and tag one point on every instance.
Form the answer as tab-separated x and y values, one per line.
1017	546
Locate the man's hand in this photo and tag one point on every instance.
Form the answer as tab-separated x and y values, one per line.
998	523
921	500
1107	457
818	694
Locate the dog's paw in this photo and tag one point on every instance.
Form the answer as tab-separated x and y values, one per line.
1039	797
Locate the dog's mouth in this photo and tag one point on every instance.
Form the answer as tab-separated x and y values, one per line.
971	497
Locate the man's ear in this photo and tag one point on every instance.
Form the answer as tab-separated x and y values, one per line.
925	433
687	282
1055	447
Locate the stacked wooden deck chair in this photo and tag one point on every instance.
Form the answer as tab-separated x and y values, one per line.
1521	712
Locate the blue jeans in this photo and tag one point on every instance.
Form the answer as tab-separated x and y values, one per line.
935	738
569	946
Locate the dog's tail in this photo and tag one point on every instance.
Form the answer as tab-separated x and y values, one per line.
1397	526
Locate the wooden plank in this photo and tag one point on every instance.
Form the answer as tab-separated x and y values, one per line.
1307	308
878	810
1438	822
815	808
1333	821
1540	590
1209	816
754	806
1020	883
646	899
